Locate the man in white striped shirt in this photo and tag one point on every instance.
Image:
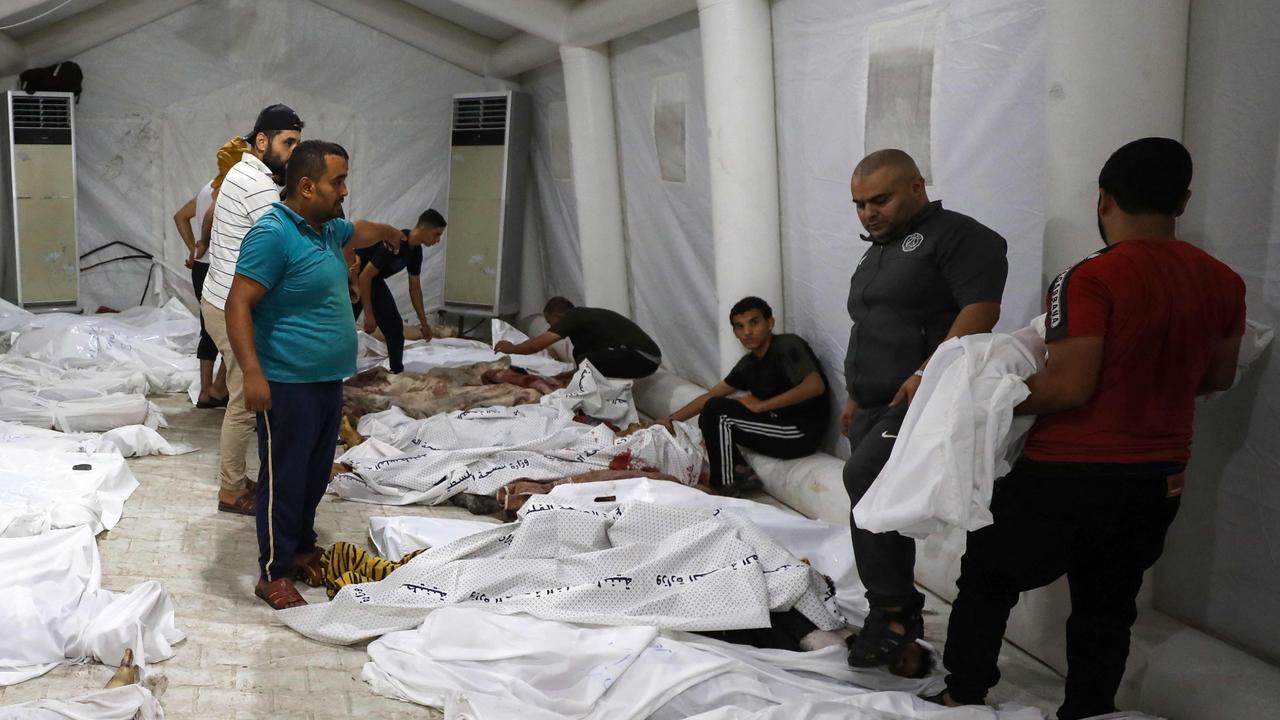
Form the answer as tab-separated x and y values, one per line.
248	191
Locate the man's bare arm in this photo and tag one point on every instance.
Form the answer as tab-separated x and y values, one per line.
1069	378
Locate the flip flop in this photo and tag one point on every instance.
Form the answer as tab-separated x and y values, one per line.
211	404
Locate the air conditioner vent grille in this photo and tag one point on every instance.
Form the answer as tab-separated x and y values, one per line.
37	112
481	113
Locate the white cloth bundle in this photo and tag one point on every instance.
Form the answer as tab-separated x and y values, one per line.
55	611
43	490
130	702
958	436
638	564
479	665
477	451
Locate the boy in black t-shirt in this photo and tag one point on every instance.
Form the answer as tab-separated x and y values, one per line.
377	263
783	413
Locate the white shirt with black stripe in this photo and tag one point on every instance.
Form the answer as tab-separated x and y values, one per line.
246	194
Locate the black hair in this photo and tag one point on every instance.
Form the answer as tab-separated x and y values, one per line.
557	305
432	218
749	303
309	159
1148	176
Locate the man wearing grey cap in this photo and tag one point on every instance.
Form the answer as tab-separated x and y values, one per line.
248	191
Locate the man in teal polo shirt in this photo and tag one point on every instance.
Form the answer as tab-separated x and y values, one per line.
289	323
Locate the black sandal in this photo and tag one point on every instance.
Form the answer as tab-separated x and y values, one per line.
877	644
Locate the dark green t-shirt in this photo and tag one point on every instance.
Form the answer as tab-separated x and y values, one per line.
786	364
594	329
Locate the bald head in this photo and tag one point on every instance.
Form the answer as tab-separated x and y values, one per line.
887	191
901	163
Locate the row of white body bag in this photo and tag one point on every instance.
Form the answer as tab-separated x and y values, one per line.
73	405
960	434
610	648
427	461
425	355
78	373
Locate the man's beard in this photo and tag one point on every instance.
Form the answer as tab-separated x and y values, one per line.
1102	232
274	163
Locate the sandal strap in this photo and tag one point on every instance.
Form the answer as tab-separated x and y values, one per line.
279	593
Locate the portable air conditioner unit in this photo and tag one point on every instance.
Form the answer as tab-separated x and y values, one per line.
41	265
488	163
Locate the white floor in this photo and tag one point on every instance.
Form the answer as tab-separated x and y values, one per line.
238	661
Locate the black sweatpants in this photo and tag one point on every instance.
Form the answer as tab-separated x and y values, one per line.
206	350
622	363
727	423
1102	526
886	561
296	439
387	315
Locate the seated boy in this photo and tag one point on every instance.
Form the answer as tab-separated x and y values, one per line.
784	412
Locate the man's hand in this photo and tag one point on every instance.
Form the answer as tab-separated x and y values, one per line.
752	403
393	243
202	247
191	259
257	393
426	331
907	391
504	347
370	323
846	416
667	423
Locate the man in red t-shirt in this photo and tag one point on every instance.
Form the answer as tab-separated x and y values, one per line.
1135	332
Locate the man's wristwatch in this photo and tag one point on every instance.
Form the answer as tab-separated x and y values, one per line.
918	373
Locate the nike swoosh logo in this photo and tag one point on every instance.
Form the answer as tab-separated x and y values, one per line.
885	434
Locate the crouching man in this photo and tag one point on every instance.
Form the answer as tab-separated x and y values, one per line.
614	344
784	412
289	323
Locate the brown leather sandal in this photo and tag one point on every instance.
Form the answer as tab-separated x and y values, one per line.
244	504
279	594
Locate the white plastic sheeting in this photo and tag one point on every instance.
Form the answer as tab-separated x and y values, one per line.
424	356
825	546
478	451
43	489
987	133
131	702
544	362
159	101
395	537
662	146
551	180
55	610
1232	501
958	437
637	564
476	664
140	350
129	441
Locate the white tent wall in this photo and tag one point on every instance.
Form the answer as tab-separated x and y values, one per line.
1220	567
159	101
551	176
662	139
987	146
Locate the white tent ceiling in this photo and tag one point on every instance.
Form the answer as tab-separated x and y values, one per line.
488	37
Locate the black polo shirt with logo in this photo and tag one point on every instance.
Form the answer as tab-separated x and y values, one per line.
907	291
